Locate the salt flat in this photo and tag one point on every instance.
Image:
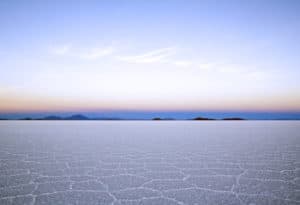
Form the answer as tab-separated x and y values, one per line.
149	162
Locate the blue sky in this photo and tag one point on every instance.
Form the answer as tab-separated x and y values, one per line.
157	55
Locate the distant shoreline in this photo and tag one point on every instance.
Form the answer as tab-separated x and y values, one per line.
79	117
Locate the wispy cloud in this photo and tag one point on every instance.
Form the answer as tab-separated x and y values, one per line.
155	56
166	55
61	49
97	53
90	54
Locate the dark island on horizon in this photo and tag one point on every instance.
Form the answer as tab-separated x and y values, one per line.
72	117
83	117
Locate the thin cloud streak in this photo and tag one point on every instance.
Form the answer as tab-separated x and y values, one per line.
165	55
155	56
97	53
91	54
162	55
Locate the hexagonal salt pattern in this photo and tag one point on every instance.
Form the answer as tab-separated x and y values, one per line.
150	163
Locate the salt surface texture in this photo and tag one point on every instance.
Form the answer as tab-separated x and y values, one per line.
146	162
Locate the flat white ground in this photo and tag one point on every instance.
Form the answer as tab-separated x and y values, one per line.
149	162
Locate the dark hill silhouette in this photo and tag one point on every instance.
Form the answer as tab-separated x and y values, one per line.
72	117
82	117
77	117
158	118
233	118
27	118
52	117
203	118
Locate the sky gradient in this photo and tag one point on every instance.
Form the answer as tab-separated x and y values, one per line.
96	56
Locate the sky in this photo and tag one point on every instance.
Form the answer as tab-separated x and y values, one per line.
164	56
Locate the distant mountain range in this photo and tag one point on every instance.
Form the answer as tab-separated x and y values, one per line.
72	117
82	117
